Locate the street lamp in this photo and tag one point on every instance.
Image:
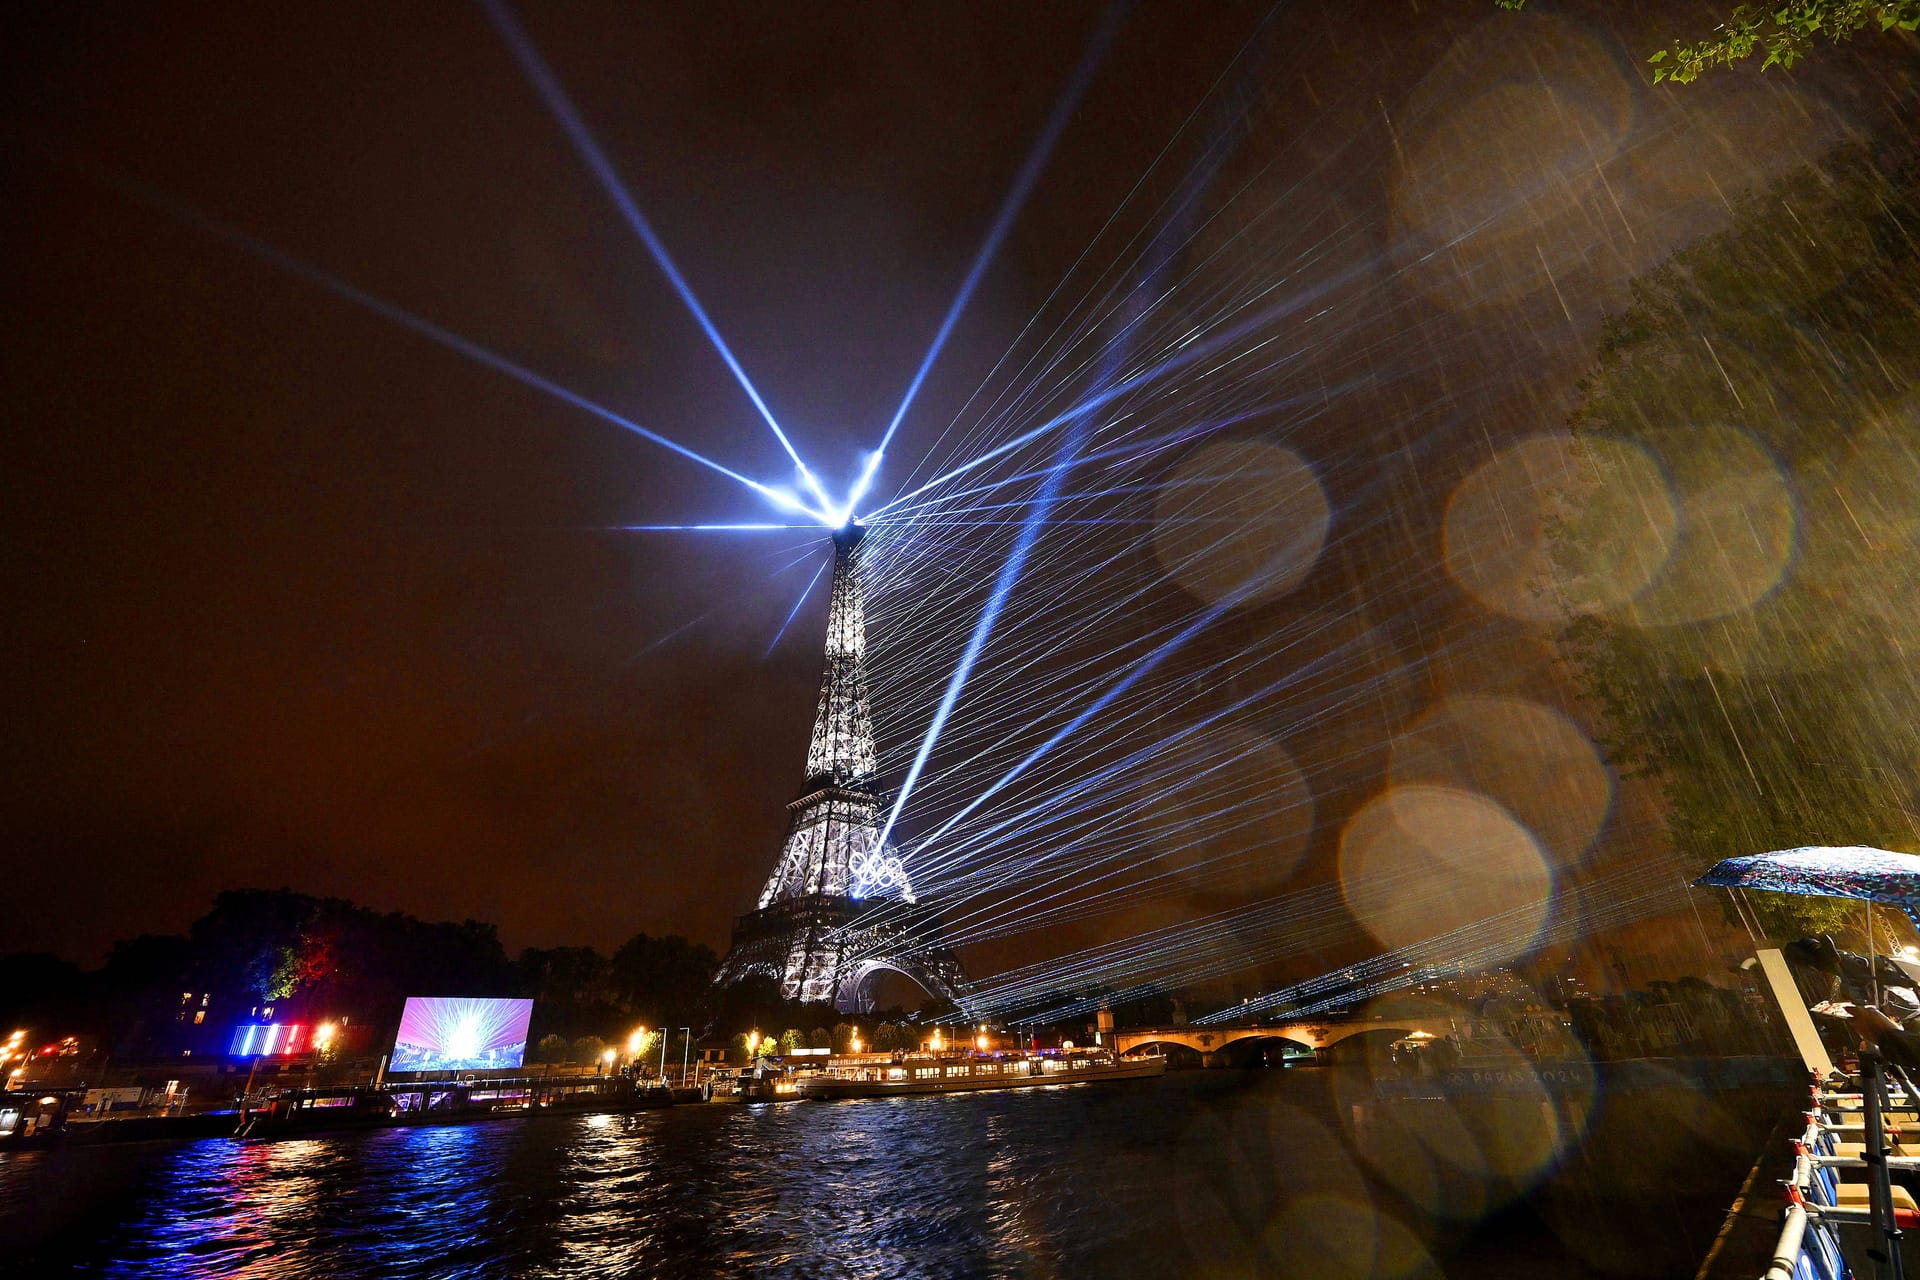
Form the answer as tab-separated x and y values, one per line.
854	1042
606	1060
636	1042
937	1044
753	1042
686	1048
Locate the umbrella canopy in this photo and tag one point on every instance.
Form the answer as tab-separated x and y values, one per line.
1876	875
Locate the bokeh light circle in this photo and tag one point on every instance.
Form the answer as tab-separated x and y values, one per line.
1238	1163
1227	811
1240	521
1334	1238
1530	758
1418	862
1738	527
1457	1153
1609	502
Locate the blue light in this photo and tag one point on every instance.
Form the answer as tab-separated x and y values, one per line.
548	86
186	213
1009	209
795	611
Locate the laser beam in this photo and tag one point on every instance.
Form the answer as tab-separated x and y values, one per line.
551	92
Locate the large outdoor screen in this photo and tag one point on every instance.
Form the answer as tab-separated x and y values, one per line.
460	1033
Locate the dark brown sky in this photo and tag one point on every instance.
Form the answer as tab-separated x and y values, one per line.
295	596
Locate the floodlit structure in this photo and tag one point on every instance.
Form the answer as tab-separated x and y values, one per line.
815	929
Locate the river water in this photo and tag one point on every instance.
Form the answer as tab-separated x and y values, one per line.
1199	1173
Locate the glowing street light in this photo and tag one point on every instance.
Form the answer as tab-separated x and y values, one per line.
606	1060
980	1041
753	1043
636	1042
937	1043
323	1035
853	1042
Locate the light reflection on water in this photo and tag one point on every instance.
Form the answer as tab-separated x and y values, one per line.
1155	1178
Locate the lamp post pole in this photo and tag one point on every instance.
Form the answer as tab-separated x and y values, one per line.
686	1049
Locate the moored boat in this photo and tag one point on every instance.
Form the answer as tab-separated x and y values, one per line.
967	1073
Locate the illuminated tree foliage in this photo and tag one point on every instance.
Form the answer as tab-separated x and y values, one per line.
1769	677
1784	31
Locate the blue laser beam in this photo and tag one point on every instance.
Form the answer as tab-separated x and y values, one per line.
1003	585
187	214
795	611
555	96
703	528
1010	207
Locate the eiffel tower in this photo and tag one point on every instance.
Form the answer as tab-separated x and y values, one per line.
808	930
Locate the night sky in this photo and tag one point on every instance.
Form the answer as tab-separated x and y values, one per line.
298	597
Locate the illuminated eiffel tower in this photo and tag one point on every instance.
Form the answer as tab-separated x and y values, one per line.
808	930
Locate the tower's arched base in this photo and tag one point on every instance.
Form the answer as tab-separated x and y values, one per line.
820	948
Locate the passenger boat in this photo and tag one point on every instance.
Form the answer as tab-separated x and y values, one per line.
965	1073
433	1102
759	1083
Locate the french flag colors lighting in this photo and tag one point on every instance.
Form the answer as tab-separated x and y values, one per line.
271	1039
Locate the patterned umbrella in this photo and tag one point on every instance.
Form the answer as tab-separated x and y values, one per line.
1877	875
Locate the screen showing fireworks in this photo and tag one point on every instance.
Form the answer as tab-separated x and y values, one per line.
460	1033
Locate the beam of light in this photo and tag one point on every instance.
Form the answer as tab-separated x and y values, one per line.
1037	515
860	487
1077	877
1010	207
795	611
1009	575
1613	900
549	88
187	214
702	528
1139	672
1186	356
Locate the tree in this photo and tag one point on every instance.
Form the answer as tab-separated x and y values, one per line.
571	988
662	980
1767	676
140	988
1784	30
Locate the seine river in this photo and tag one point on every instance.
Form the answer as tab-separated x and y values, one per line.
1200	1173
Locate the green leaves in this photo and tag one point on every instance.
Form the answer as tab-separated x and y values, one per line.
1785	33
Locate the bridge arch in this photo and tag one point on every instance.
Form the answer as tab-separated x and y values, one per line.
1363	1042
1257	1050
1212	1041
859	984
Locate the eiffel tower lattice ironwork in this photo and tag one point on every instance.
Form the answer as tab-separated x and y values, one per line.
814	929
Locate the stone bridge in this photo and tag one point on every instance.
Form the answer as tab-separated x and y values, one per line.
1211	1042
